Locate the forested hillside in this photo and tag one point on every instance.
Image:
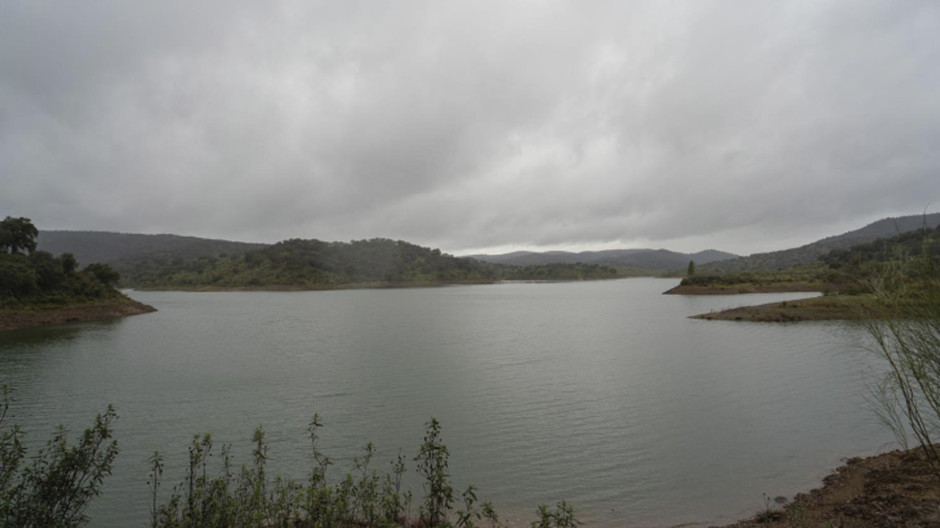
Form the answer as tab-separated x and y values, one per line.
377	262
808	254
642	261
134	255
920	243
911	259
314	263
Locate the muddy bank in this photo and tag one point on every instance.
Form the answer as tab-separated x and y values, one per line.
98	311
896	489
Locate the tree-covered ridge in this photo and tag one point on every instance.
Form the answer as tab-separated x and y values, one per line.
558	272
860	269
314	263
134	255
923	242
29	277
808	254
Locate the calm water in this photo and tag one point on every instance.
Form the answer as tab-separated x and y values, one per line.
600	393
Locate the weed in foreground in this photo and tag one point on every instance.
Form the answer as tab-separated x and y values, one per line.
363	498
53	487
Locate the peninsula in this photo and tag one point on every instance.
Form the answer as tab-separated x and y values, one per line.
37	288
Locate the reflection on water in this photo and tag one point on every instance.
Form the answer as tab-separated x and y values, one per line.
600	393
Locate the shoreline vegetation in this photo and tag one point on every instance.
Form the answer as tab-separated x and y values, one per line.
822	308
819	308
38	288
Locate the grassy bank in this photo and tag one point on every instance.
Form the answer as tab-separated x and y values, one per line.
744	287
823	308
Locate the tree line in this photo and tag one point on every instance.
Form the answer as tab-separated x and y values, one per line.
28	276
378	261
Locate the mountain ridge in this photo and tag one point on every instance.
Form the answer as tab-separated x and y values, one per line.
809	253
656	260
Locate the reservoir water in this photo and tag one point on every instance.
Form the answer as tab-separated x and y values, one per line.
603	394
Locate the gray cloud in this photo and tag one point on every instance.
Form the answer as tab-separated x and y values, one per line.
740	125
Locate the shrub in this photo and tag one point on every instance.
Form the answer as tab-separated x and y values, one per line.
53	489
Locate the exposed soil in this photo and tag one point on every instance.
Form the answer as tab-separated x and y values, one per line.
896	489
110	309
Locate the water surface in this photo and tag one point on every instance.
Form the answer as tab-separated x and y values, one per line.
600	393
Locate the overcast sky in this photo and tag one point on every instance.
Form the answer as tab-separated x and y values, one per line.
476	125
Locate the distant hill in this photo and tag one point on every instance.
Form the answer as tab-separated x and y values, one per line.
134	254
654	260
299	263
808	254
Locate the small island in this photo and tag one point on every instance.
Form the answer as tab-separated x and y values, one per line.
37	288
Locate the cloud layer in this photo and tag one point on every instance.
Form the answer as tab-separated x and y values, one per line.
464	125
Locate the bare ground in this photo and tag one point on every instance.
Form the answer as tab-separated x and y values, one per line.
896	489
110	309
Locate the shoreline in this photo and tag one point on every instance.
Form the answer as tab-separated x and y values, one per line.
739	288
897	488
820	308
13	319
315	287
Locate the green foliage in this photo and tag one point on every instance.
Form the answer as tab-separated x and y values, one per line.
561	517
920	244
377	262
362	498
40	278
17	277
860	269
17	234
52	488
901	272
104	273
137	255
313	263
808	254
690	271
807	275
550	272
432	465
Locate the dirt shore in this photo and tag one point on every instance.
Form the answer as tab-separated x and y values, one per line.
896	489
110	309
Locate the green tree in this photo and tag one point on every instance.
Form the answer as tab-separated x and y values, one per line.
50	274
69	264
17	278
17	234
690	272
104	273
